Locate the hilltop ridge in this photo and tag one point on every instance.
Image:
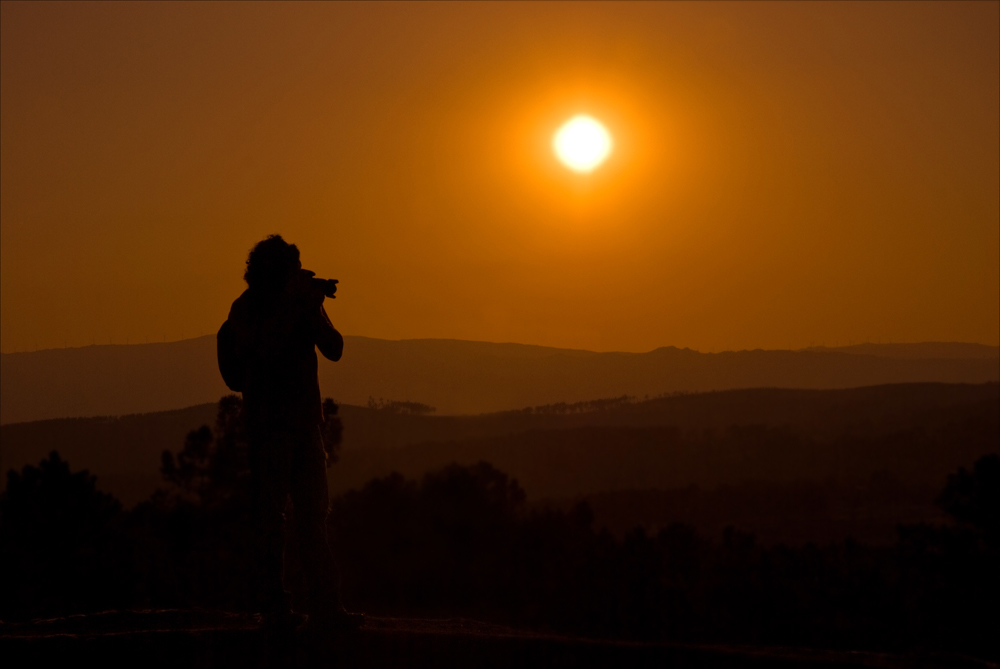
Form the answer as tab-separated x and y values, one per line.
461	377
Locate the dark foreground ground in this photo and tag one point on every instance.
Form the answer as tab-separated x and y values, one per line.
189	639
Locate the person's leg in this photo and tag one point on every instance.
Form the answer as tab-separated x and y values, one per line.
270	470
311	500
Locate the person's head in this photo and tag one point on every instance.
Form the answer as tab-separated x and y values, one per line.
271	263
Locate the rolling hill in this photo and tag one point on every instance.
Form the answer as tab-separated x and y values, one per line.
917	432
461	377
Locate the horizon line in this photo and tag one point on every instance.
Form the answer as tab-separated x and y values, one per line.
811	348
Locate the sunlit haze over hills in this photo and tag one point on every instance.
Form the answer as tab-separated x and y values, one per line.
782	175
625	334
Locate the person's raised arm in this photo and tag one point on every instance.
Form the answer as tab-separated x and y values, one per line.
328	340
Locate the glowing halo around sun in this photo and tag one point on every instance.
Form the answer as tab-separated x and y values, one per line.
582	143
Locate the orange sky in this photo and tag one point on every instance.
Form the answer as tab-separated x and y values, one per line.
783	174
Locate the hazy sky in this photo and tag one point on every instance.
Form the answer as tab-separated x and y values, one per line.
783	174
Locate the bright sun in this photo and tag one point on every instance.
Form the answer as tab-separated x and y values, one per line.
582	143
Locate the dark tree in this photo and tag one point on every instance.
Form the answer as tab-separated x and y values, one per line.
973	498
332	430
212	468
61	546
196	539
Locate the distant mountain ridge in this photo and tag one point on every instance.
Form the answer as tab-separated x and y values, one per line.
923	350
461	377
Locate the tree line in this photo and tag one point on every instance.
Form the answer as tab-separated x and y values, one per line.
462	541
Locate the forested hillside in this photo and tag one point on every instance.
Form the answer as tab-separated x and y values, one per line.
913	433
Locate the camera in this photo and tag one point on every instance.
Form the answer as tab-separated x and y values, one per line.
326	286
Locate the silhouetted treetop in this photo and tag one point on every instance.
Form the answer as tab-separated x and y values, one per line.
587	406
61	543
213	465
396	406
51	500
973	498
333	431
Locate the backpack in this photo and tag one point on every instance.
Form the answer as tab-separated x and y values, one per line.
231	365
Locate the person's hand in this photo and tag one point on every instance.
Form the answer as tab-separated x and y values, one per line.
302	286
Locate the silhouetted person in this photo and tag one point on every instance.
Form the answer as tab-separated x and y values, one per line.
267	351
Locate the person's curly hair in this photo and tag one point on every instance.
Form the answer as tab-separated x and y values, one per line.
270	262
